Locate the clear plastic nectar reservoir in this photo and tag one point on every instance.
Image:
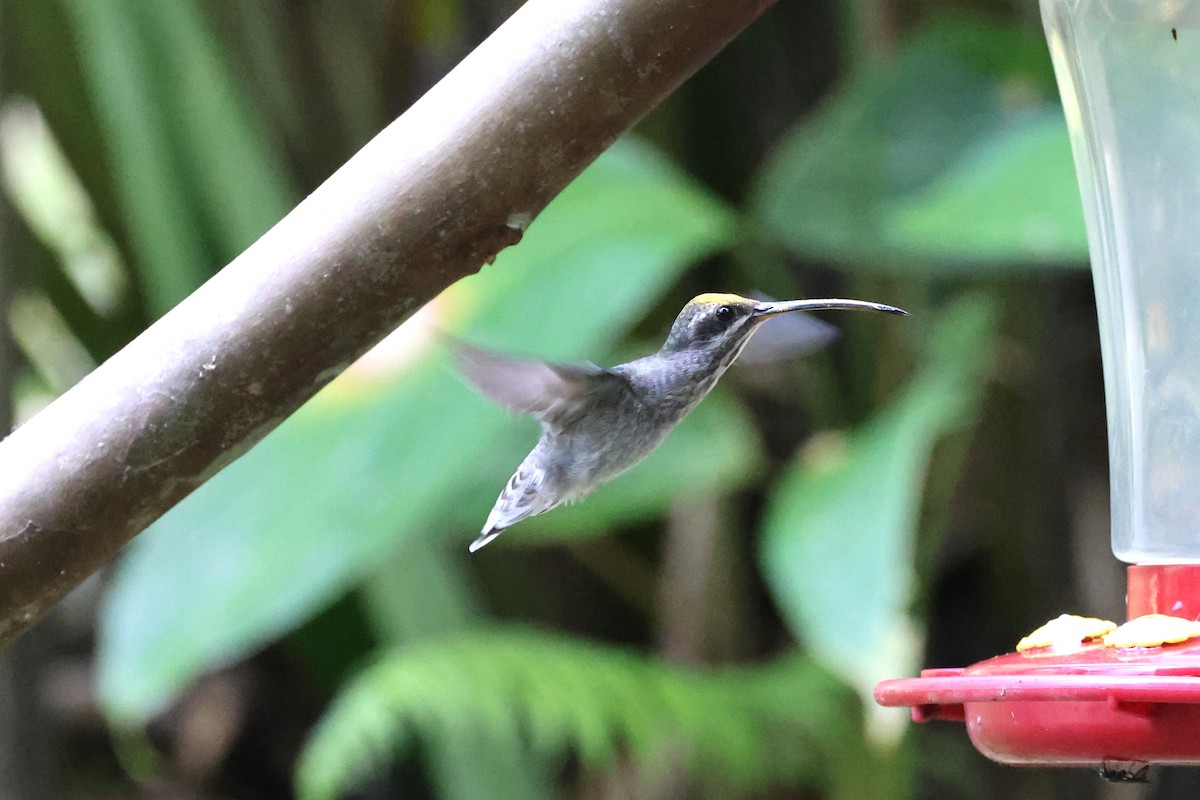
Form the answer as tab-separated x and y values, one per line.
1129	75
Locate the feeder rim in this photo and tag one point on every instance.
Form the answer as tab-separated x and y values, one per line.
941	688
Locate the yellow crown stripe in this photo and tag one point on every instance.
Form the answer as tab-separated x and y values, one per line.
718	299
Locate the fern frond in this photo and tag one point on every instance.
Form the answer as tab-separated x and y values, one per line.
741	727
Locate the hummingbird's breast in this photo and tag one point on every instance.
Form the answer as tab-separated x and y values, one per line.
615	432
604	442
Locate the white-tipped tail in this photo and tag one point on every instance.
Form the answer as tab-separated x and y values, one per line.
484	538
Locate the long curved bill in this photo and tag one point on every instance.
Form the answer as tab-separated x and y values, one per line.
784	306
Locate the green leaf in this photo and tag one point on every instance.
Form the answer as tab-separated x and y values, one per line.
738	728
382	455
159	214
190	162
953	158
840	526
1006	199
229	162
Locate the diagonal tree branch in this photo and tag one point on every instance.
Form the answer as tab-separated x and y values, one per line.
438	192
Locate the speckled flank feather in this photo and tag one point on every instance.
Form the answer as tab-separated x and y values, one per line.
522	497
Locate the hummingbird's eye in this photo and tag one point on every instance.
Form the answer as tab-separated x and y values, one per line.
725	314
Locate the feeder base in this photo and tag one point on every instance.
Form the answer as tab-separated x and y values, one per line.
1114	709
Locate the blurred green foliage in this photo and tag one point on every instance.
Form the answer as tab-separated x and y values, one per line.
928	162
559	696
813	496
839	538
194	171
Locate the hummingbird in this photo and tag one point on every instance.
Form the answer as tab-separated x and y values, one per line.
597	422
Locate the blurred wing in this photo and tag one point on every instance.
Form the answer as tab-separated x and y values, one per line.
786	336
547	391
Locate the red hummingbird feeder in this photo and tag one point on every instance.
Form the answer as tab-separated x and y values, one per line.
1079	691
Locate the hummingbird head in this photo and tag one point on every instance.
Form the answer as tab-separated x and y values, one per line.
711	322
718	325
